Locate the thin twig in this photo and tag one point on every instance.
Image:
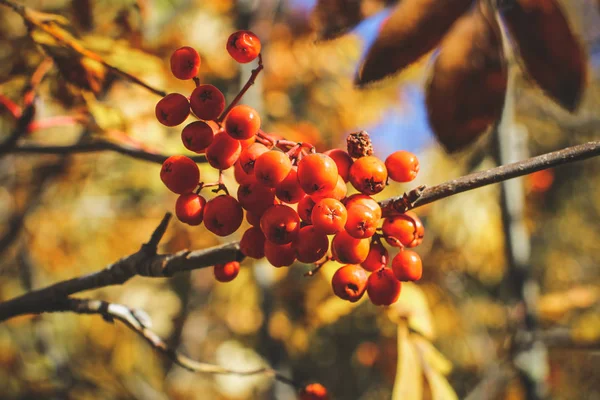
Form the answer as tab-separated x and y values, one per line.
244	89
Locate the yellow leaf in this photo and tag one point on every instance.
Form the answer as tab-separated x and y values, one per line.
413	307
409	380
431	355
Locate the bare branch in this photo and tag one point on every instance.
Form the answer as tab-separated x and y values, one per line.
398	205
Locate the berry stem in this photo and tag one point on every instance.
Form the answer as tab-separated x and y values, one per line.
243	91
196	81
220	185
318	266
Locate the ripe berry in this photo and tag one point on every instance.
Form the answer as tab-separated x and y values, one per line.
242	122
368	175
223	152
383	288
289	190
172	109
311	245
402	166
240	176
377	257
223	215
272	167
189	208
362	221
317	173
255	197
349	250
305	207
180	174
339	191
243	46
280	255
226	272
253	219
403	230
407	266
329	216
280	224
363	199
197	136
314	391
342	160
207	102
185	63
250	154
349	282
252	243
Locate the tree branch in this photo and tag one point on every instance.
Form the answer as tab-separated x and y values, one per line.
421	196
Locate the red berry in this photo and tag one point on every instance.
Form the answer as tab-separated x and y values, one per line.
223	215
255	197
172	109
197	136
305	207
252	243
377	257
207	102
362	221
383	288
329	216
243	46
349	250
289	190
403	230
240	176
314	391
342	160
368	175
180	174
280	224
250	154
185	63
317	173
272	167
407	266
280	255
226	272
189	208
349	282
223	152
242	122
402	166
311	245
253	219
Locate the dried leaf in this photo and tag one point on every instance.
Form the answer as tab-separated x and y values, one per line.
550	51
408	383
414	28
331	18
468	84
412	306
431	355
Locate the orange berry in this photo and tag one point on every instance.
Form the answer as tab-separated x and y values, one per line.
317	173
226	272
255	197
342	160
310	244
377	258
329	216
402	166
185	63
280	224
363	199
403	230
383	288
280	255
172	109
339	191
243	46
189	208
223	215
362	221
289	190
305	207
272	167
314	391
180	174
368	175
252	243
349	250
207	102
240	176
242	122
250	154
197	136
349	282
407	266
223	152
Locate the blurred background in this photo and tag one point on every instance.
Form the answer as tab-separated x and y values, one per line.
66	215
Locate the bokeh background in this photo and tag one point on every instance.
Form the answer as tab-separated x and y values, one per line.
63	216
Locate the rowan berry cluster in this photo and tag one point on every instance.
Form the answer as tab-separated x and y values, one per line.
295	199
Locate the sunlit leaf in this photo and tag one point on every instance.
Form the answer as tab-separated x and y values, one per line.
412	306
408	383
550	51
414	28
431	355
466	91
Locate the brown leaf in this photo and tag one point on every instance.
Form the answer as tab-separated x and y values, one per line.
414	28
552	55
467	88
331	18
